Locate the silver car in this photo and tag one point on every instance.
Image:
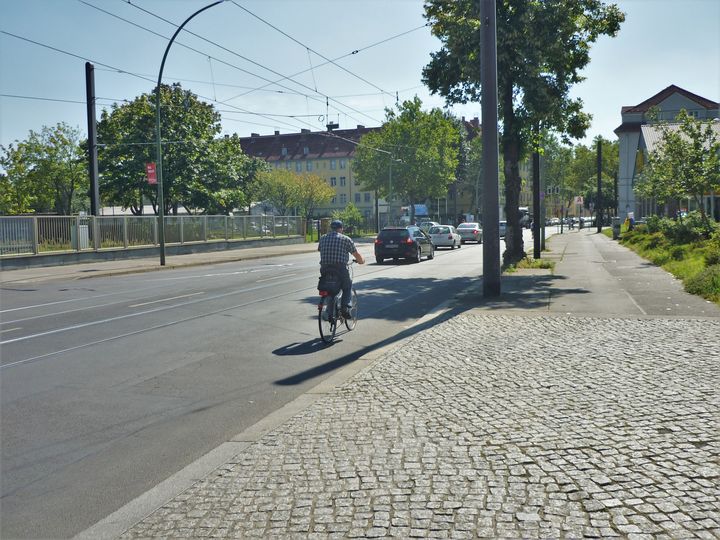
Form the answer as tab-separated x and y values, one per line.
470	232
445	236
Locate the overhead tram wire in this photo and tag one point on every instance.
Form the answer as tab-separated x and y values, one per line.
355	51
205	55
118	70
244	58
308	48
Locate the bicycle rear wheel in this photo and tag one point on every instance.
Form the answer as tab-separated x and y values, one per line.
352	321
327	322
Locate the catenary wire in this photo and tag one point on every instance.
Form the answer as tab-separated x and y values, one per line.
247	60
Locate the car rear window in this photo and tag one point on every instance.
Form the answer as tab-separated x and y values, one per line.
467	225
399	234
440	230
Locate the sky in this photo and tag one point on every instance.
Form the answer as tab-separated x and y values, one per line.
265	66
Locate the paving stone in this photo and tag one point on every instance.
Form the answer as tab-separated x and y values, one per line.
509	433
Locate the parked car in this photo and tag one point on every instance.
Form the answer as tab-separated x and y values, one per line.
427	225
445	235
403	243
470	232
503	228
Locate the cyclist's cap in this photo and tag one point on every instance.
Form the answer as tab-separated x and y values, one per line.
337	224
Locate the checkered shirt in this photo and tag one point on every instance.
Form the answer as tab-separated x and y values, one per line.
335	248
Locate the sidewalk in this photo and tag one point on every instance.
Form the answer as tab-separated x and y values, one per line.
147	264
579	404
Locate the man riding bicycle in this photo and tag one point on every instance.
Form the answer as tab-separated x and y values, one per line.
335	249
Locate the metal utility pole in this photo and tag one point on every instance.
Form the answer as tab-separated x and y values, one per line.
92	140
599	205
158	144
536	194
491	201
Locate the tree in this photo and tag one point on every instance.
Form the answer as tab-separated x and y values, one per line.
422	149
542	47
46	172
228	181
350	216
313	192
280	188
685	164
127	137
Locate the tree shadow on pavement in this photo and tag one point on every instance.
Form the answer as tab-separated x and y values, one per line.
317	371
519	292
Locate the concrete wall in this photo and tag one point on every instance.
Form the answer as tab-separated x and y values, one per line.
74	257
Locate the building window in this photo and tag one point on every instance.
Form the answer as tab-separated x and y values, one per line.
308	165
333	165
288	165
333	181
283	151
334	200
343	198
367	197
317	165
298	166
357	197
306	151
342	180
342	163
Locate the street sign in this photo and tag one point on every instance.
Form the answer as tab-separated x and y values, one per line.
150	172
578	199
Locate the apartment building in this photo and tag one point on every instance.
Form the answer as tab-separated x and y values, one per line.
327	154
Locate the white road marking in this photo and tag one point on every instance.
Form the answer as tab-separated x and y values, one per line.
272	278
11	329
166	299
137	314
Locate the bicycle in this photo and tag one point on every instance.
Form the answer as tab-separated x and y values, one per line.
330	313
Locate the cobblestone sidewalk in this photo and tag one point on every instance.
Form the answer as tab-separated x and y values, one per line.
493	426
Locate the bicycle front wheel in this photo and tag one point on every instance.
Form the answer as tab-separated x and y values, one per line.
327	322
352	321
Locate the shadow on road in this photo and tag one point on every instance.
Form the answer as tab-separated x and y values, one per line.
525	292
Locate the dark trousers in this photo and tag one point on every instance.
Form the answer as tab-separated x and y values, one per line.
345	281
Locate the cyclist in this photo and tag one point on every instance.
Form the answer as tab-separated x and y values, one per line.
335	249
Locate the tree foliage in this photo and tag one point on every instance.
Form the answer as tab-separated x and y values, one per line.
351	216
541	49
422	149
685	164
47	172
314	191
289	192
200	172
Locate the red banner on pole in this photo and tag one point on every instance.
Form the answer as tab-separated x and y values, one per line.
150	172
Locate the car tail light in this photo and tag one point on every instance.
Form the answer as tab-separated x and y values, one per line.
475	232
409	241
449	236
324	293
378	242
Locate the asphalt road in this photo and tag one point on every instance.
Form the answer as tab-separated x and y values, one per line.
111	385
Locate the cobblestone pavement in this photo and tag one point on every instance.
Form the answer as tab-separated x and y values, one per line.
529	426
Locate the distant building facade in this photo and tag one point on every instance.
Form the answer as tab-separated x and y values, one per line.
325	154
637	135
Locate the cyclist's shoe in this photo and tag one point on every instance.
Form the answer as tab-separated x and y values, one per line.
346	313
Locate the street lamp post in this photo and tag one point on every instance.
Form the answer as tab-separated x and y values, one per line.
161	196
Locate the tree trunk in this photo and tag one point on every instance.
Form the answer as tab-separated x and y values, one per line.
514	250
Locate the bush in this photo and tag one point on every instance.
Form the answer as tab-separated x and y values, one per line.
705	283
712	252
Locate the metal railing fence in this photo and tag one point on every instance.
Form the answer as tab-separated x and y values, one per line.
24	235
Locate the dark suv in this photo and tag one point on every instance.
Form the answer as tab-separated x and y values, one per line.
403	243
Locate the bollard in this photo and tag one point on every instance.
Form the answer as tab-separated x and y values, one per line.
615	228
